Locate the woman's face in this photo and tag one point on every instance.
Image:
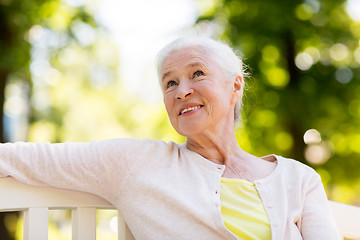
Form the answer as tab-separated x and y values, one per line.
198	95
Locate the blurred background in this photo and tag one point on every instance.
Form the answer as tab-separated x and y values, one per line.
80	70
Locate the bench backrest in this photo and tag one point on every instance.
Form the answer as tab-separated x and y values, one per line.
35	202
347	219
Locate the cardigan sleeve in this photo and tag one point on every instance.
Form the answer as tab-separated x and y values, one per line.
98	167
317	222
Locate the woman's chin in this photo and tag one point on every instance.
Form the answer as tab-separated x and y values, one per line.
189	131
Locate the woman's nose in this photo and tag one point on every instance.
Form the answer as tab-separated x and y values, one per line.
184	90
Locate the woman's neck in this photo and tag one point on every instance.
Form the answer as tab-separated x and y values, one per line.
224	149
218	148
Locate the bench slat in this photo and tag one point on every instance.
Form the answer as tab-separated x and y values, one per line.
84	223
124	232
36	224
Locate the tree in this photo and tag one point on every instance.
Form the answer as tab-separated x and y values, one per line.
18	21
304	58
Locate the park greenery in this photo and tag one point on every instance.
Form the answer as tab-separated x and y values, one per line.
59	81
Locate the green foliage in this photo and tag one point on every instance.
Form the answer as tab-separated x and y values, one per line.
304	59
71	63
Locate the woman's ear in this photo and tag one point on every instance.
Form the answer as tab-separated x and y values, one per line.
237	83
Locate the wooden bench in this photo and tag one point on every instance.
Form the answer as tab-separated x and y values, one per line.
35	202
347	219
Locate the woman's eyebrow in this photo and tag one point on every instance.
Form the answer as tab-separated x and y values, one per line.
195	64
192	64
165	75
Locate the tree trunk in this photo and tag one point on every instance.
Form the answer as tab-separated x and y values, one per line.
3	78
294	122
4	233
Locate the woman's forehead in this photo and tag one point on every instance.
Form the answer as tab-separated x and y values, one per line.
186	57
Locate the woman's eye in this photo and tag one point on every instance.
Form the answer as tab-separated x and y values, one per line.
198	73
171	84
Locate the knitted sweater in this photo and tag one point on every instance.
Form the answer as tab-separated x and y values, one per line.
165	191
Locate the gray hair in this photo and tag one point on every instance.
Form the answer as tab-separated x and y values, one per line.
231	64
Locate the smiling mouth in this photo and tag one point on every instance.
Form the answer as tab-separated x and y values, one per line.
185	110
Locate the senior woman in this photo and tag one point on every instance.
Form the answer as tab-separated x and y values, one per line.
208	188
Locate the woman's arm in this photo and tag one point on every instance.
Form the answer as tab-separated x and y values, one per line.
317	222
98	167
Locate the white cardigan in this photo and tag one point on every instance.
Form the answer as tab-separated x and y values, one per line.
165	191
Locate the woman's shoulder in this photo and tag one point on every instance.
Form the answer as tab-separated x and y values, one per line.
293	163
138	145
295	168
130	141
288	168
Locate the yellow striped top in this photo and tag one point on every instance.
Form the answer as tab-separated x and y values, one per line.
243	211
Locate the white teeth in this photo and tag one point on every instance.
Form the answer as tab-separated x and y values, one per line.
189	109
